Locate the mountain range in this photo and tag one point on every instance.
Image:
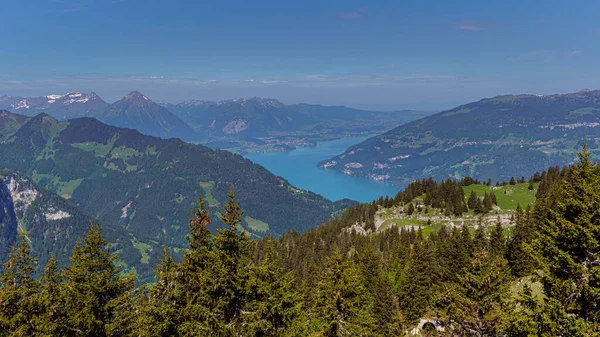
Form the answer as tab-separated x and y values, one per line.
134	111
269	123
146	185
241	125
493	138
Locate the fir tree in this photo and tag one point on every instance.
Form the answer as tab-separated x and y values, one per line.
53	321
272	307
230	275
480	241
519	259
474	203
19	305
164	309
386	313
410	210
340	299
97	297
473	306
569	244
422	275
497	242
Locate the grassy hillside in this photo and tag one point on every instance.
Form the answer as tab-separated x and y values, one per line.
431	219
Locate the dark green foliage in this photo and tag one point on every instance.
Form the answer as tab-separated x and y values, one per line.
97	297
272	308
340	300
497	243
410	209
332	281
568	244
422	276
472	306
19	306
520	260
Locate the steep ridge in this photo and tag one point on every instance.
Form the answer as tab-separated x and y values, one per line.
51	224
147	185
493	138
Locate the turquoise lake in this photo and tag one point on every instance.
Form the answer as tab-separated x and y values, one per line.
299	167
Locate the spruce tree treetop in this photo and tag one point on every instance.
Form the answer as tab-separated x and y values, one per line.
569	240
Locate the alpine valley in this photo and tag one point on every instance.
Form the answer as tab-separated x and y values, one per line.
493	138
143	185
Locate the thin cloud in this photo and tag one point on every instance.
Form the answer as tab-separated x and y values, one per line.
271	82
356	14
575	53
70	10
534	55
469	26
351	16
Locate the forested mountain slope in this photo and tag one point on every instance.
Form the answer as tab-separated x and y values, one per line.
50	224
335	281
147	185
493	138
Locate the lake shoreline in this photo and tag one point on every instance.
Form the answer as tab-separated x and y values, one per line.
299	167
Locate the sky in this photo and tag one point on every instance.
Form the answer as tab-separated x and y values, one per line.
379	55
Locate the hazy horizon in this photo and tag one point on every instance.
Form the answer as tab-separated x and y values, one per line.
382	55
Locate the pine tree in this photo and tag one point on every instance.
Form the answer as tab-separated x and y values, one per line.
569	244
518	258
497	242
272	307
487	204
387	317
493	198
189	282
512	181
422	275
232	251
410	210
473	306
340	297
53	320
164	309
19	305
474	203
97	297
480	241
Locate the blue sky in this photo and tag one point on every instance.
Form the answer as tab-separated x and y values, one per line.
366	54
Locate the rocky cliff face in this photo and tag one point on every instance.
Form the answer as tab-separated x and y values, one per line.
50	223
8	219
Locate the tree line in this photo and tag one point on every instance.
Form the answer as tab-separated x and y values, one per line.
538	276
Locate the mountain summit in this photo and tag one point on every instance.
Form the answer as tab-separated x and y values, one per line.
136	111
